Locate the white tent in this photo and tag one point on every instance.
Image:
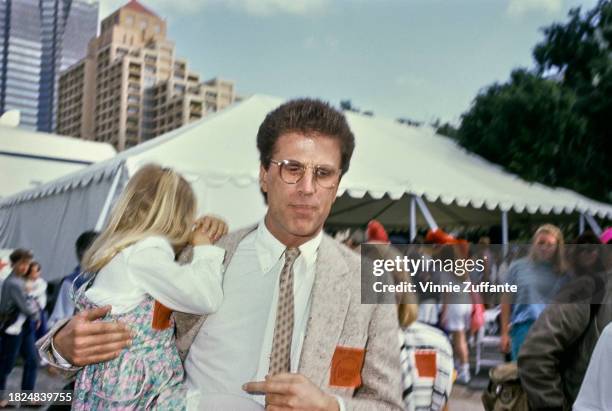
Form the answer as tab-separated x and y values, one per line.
219	156
29	159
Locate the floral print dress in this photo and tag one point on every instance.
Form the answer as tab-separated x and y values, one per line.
148	375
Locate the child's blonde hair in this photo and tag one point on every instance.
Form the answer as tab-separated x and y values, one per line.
156	201
558	262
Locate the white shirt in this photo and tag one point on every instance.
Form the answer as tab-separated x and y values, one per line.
148	268
595	393
39	292
234	344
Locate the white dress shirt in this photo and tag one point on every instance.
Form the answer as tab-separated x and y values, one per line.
148	268
234	344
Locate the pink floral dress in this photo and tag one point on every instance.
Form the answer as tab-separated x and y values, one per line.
148	375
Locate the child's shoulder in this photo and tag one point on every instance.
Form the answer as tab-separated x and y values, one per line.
154	241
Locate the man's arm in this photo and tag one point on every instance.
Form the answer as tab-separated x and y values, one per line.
17	294
557	328
82	340
381	374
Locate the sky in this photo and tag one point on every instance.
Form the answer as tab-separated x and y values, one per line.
419	59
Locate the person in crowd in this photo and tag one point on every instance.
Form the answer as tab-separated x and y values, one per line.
456	313
132	267
554	357
426	358
37	290
64	306
595	393
355	240
537	277
17	337
337	354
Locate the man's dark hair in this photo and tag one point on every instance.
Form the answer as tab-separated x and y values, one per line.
83	243
20	254
307	116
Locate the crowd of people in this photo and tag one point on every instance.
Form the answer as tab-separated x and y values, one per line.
548	329
166	310
23	299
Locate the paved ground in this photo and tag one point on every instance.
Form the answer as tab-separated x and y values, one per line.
462	398
45	382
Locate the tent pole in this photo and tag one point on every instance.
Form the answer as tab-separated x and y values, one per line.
581	224
505	232
109	199
593	224
426	213
412	218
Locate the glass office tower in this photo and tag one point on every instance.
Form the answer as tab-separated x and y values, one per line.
38	39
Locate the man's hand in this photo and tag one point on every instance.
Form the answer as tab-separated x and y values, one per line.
292	392
82	341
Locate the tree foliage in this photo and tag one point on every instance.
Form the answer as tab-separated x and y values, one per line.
552	124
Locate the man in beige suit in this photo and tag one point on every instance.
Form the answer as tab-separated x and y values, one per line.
291	332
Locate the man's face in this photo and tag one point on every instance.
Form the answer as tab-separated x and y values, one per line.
296	212
21	267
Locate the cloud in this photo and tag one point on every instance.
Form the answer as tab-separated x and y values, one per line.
253	7
517	8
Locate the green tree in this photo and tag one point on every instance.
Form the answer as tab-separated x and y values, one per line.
552	124
527	125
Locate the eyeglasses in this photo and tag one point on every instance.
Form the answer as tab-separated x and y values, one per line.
292	171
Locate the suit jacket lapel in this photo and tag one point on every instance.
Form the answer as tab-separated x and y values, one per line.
330	300
188	325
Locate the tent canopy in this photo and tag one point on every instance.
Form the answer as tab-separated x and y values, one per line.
29	158
219	157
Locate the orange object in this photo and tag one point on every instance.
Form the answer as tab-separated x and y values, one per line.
426	363
346	367
161	316
376	233
439	236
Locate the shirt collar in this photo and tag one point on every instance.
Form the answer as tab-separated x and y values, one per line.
270	250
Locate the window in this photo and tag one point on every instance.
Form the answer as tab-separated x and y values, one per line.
129	20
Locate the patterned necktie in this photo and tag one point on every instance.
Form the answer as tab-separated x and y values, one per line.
280	357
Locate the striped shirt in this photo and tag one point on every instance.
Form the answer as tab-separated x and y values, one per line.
427	367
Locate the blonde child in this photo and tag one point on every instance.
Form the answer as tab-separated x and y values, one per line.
132	268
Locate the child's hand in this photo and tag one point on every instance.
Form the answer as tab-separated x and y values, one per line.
208	230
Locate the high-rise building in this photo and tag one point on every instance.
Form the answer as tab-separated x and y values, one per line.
67	27
39	38
130	87
21	50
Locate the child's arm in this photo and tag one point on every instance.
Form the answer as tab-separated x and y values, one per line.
193	288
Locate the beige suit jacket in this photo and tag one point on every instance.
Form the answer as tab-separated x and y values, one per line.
337	318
